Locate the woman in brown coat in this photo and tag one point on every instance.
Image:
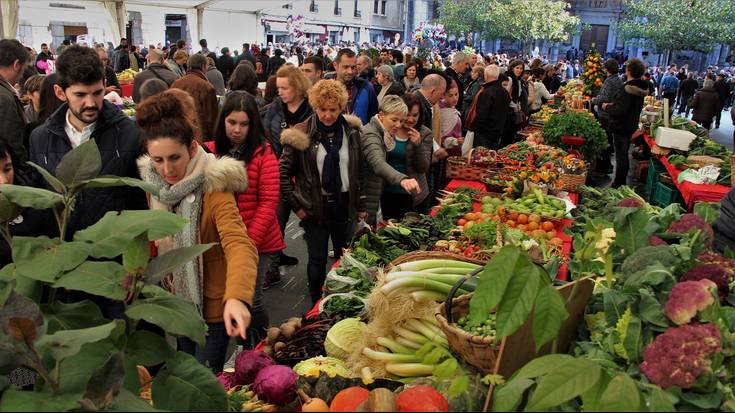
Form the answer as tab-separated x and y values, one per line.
198	186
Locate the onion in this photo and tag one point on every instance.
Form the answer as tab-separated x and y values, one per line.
248	364
276	385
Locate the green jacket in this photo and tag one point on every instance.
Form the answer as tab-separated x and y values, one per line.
377	170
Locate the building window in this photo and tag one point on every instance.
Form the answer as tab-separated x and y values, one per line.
382	7
313	7
358	13
379	7
337	9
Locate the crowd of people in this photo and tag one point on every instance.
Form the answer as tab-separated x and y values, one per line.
338	138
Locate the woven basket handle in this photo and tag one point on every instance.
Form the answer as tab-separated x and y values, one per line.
453	293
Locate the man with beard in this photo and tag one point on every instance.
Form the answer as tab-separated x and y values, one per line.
86	115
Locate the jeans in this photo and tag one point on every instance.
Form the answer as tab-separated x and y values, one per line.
334	224
622	161
395	205
671	97
283	213
684	105
215	349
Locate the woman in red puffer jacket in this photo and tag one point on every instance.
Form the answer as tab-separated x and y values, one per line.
239	134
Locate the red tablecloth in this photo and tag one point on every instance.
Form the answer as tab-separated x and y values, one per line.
127	90
692	193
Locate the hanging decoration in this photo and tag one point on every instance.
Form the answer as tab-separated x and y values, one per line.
295	28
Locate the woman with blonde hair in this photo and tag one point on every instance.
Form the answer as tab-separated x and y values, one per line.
199	187
177	62
320	167
392	159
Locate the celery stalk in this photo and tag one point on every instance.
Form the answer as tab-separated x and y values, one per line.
434	263
392	345
409	369
390	357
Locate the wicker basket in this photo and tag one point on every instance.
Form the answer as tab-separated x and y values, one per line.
665	178
460	167
569	182
478	351
434	255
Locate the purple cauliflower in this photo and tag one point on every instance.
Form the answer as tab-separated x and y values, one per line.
681	354
713	272
630	203
691	222
709	257
687	298
656	241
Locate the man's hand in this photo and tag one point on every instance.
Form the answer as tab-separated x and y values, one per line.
237	318
301	214
410	185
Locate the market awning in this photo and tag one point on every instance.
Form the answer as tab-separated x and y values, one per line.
276	26
314	29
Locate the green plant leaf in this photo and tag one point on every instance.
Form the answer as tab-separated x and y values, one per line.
186	385
629	233
111	234
28	401
75	371
660	401
43	259
709	211
493	282
66	343
8	210
72	316
621	395
514	309
459	386
106	382
136	255
81	163
650	309
30	197
548	315
542	365
591	398
173	314
509	396
101	278
711	400
172	260
21	319
129	402
7	284
564	383
633	342
52	180
106	181
147	348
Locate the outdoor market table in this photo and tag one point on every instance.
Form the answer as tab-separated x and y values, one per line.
691	192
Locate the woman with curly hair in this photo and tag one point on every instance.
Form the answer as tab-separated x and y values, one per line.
199	187
320	177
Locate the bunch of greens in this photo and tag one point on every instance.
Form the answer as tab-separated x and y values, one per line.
576	124
343	306
453	207
483	234
373	250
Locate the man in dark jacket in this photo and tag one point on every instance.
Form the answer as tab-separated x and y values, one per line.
275	62
246	55
459	65
625	112
687	88
362	101
705	105
226	64
157	69
205	96
13	61
723	91
488	119
84	116
122	59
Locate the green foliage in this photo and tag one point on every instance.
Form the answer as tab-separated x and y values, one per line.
504	19
678	24
576	124
83	360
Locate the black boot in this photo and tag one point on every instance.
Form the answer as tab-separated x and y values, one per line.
287	260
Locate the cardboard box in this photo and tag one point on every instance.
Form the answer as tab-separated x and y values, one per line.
674	138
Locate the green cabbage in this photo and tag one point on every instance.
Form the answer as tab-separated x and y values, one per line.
343	337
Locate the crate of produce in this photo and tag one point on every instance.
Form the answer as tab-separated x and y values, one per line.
655	169
666	195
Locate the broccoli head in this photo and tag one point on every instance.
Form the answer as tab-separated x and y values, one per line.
688	223
713	272
647	256
681	354
630	203
687	298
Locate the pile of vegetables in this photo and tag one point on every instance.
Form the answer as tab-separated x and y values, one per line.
682	123
536	202
453	206
298	339
427	280
577	124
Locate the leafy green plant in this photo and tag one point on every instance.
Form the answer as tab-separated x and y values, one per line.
576	124
84	361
